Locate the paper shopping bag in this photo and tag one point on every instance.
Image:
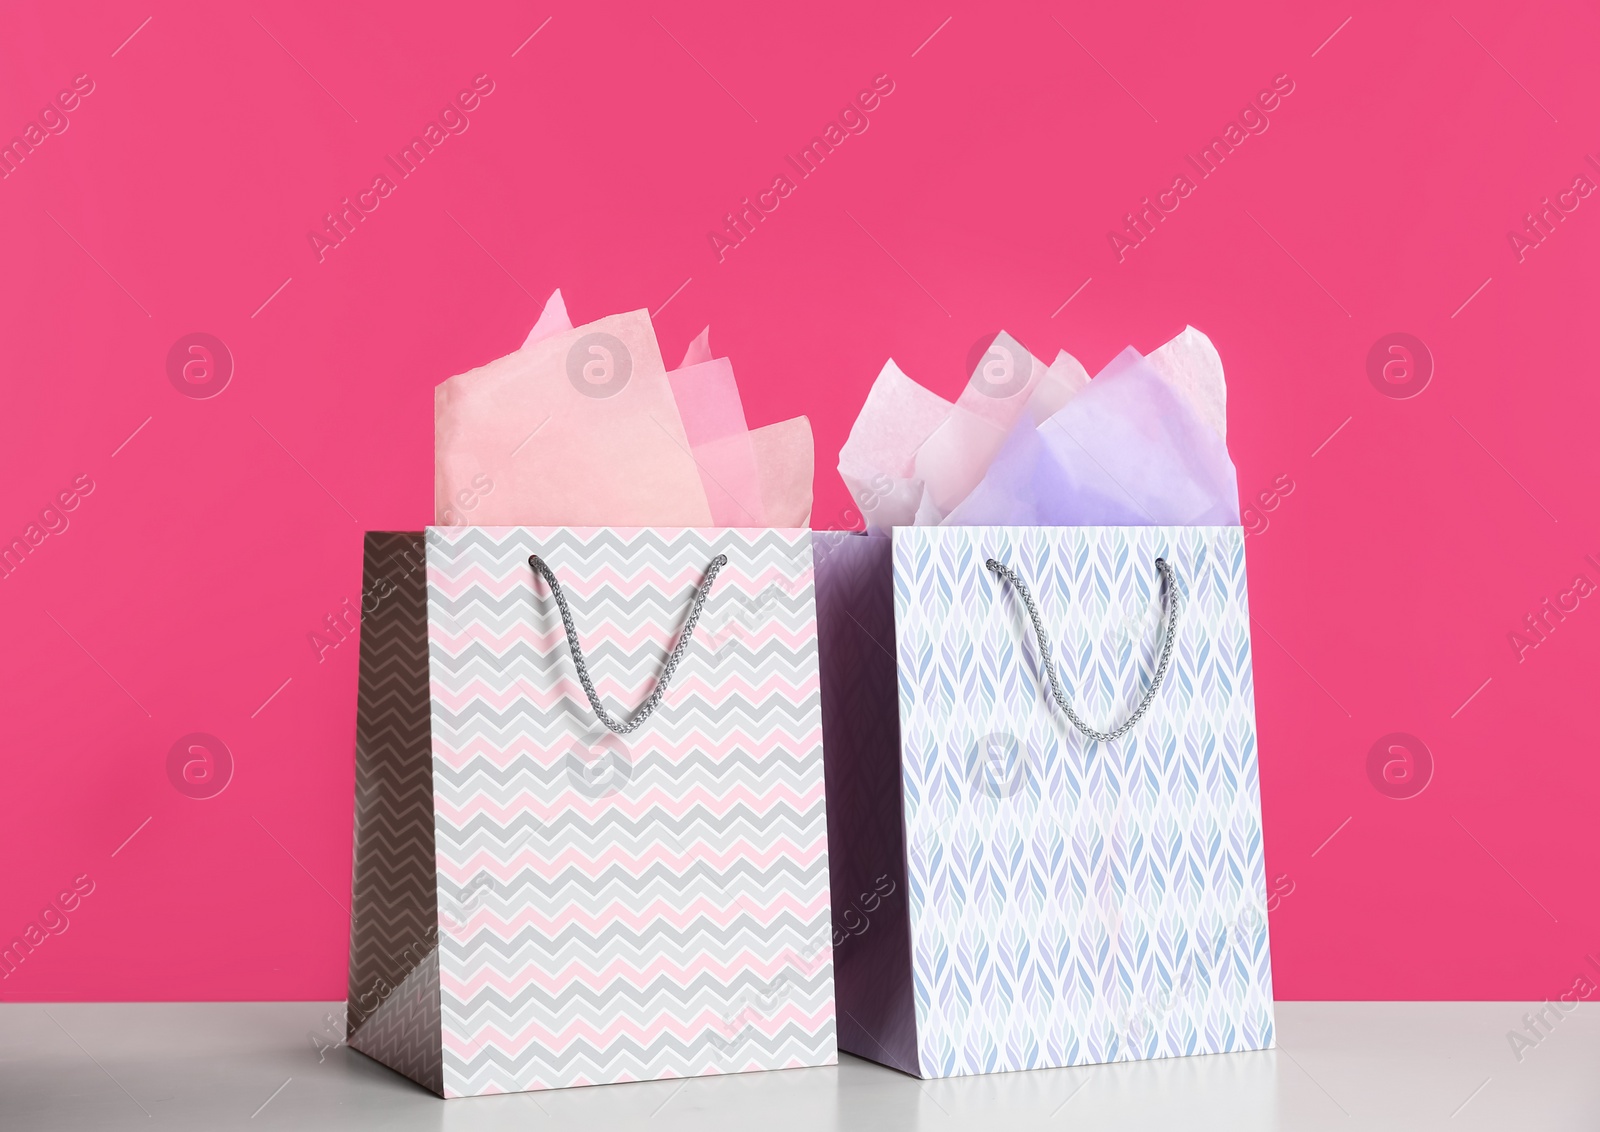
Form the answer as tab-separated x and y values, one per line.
590	842
1045	818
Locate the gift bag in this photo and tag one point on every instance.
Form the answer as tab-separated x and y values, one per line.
553	892
1039	721
1046	824
590	842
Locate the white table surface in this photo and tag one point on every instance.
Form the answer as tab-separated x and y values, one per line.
1411	1066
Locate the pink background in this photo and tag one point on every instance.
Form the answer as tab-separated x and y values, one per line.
181	595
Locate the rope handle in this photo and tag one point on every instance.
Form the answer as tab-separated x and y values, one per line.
1009	575
624	727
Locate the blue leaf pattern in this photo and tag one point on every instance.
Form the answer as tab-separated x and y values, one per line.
1093	902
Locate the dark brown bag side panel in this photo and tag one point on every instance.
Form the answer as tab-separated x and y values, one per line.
393	1011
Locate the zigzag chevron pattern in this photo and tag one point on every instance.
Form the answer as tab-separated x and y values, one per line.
1075	902
403	1031
626	909
393	1011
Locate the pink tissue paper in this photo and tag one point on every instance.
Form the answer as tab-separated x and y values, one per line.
585	426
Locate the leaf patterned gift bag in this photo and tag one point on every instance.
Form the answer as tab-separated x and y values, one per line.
1039	723
1010	893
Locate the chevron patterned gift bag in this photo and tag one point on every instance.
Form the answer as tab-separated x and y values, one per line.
590	842
1015	888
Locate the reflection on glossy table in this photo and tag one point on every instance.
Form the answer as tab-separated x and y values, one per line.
85	1066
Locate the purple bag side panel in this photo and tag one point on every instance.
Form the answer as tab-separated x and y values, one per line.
866	831
393	1009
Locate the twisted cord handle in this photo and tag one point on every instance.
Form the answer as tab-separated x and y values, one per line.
1009	575
624	727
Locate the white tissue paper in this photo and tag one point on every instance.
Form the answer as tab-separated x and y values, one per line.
1143	444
